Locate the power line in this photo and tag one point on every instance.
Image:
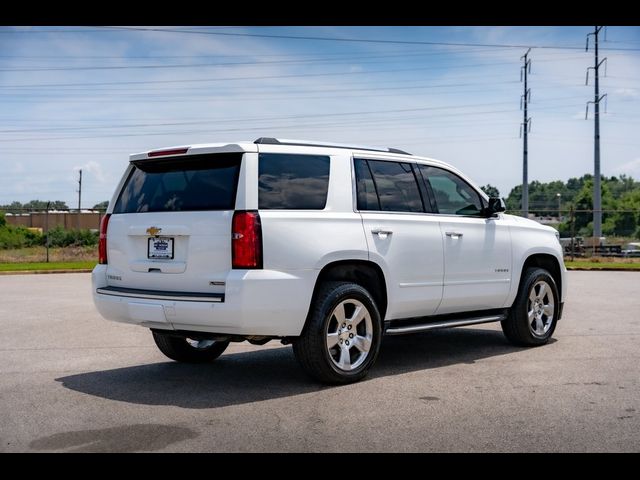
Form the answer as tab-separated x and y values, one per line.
163	83
315	115
261	90
356	40
300	56
220	79
222	97
227	120
201	65
86	30
268	118
358	56
269	77
327	61
357	123
51	31
403	52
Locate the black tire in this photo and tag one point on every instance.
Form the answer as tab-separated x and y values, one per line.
518	328
311	349
179	349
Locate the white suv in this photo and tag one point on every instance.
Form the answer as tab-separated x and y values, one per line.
327	247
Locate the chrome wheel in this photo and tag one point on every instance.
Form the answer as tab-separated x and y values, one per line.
200	344
349	334
540	308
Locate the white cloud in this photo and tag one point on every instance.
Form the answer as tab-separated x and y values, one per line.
579	115
95	169
627	92
17	168
629	168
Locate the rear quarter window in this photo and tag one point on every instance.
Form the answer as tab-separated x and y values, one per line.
199	182
293	182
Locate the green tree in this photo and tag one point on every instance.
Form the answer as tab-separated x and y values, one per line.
101	205
42	204
491	190
17	207
13	207
626	222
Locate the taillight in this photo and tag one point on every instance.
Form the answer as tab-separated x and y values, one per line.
246	240
102	243
162	153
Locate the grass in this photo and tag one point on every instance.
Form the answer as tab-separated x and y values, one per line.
74	258
58	254
589	264
30	266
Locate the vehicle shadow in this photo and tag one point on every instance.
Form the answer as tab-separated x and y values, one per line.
273	373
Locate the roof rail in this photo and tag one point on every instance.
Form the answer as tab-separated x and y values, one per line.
310	143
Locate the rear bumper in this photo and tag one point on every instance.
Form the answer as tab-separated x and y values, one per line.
256	302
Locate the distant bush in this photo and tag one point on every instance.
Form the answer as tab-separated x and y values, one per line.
12	237
18	237
59	237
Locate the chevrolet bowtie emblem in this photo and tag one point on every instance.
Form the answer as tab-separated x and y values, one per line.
153	231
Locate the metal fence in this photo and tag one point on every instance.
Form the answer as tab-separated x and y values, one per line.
621	231
43	220
621	228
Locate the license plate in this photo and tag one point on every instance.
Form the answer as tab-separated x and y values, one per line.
160	247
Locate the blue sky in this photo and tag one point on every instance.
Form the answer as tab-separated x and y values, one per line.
77	99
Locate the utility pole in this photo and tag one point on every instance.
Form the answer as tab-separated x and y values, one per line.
79	196
597	200
525	128
47	226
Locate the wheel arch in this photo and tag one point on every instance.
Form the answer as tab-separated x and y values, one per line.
362	272
548	262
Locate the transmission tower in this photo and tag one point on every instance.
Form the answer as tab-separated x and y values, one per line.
525	128
597	200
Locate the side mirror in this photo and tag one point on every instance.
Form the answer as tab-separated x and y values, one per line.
496	205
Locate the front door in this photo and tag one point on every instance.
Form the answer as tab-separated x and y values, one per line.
477	250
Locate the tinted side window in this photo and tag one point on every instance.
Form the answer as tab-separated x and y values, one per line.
396	186
289	181
452	194
200	182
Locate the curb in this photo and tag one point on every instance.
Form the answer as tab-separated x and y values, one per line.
38	272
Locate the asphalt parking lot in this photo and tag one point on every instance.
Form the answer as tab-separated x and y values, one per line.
72	382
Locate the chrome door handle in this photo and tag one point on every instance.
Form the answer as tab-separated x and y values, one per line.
381	232
453	234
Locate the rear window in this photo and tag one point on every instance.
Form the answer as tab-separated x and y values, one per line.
295	182
199	182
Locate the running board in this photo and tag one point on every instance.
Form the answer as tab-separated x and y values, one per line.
460	322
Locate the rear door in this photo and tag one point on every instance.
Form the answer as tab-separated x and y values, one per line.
401	235
170	229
